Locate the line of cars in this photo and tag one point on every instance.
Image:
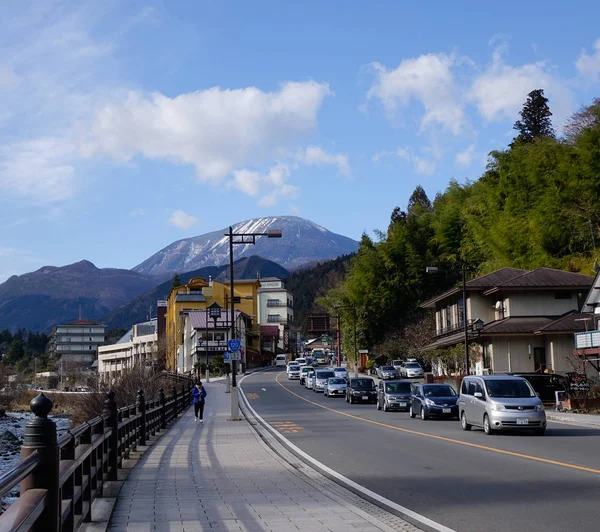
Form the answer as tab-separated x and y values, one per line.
409	369
492	402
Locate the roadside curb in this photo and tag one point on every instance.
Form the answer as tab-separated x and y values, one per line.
412	519
570	421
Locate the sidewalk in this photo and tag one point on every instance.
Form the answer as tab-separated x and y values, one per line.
589	420
221	476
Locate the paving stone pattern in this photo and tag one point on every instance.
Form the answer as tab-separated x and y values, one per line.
221	476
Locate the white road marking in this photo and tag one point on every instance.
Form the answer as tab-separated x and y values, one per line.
264	389
345	480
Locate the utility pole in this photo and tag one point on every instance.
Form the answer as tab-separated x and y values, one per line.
465	323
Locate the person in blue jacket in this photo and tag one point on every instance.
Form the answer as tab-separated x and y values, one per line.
199	394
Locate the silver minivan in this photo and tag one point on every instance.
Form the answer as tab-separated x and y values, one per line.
500	402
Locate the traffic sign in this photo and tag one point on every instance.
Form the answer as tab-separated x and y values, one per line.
234	345
235	356
226	356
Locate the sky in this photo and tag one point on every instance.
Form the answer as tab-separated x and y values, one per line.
125	126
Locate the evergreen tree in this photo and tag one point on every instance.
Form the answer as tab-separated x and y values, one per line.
15	351
535	118
176	281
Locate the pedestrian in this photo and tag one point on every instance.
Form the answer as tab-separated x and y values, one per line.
199	394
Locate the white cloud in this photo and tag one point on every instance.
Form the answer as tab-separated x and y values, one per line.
465	158
283	192
182	219
252	182
421	165
216	130
501	90
427	79
588	65
316	156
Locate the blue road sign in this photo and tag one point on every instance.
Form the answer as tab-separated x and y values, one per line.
234	345
226	356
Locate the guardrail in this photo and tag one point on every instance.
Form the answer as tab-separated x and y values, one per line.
60	477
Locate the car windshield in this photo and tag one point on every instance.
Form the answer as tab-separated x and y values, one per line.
438	390
337	370
387	368
362	384
337	380
398	387
412	365
325	374
306	369
509	388
293	364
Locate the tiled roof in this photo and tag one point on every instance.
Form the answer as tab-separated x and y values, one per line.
517	325
570	322
547	278
500	276
198	319
83	322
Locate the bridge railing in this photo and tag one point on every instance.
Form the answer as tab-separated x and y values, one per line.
60	477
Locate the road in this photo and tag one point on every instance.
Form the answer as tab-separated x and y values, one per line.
464	480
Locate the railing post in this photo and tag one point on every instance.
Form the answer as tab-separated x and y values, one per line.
141	409
40	436
111	415
163	409
175	403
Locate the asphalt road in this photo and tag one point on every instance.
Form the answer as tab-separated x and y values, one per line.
464	480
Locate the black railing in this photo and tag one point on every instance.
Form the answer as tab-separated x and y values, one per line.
60	478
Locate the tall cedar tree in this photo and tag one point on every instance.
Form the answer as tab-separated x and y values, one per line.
535	120
176	281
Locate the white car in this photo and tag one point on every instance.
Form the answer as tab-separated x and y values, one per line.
336	387
412	370
341	372
294	372
309	380
292	365
300	361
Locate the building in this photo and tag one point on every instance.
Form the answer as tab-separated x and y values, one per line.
205	337
77	342
136	348
197	295
529	318
276	309
587	342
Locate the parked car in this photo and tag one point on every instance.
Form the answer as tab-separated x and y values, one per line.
361	390
335	387
321	378
545	384
294	372
439	400
500	402
397	364
393	394
387	372
303	372
412	370
341	372
309	379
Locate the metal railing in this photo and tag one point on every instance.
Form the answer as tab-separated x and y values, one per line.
60	477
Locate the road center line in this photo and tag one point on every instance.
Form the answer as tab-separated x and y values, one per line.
443	438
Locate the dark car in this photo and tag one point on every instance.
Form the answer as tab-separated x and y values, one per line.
361	390
545	384
394	395
437	400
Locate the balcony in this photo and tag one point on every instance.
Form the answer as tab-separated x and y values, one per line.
277	319
275	303
587	340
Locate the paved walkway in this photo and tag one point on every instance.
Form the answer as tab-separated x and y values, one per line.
592	420
221	476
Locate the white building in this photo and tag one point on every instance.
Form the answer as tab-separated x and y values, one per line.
137	347
203	338
77	342
276	307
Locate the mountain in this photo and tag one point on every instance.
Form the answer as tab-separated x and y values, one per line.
138	309
53	295
302	241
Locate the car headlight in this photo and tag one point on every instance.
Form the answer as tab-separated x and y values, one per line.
539	408
429	402
497	407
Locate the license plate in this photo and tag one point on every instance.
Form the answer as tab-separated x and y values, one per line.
402	404
365	397
521	421
446	410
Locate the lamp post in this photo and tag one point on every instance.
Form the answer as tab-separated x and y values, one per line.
214	311
239	239
353	307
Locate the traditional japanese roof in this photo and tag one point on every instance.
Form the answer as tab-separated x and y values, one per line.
517	325
571	322
544	278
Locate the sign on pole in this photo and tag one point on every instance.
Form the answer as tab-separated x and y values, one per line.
235	355
234	345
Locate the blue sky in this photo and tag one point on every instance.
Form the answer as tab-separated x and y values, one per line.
127	125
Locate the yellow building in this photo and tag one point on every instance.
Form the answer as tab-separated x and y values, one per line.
198	294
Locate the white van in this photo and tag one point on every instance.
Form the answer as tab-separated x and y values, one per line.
281	360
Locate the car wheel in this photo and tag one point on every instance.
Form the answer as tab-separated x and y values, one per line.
487	428
540	431
411	412
424	415
463	422
385	407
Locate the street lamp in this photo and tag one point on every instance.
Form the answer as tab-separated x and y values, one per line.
353	307
240	239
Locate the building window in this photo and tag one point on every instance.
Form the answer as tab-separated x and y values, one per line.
562	295
273	318
461	311
273	303
448	316
487	363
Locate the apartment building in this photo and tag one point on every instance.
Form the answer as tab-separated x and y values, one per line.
77	342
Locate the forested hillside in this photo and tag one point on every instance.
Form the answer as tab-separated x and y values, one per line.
537	204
